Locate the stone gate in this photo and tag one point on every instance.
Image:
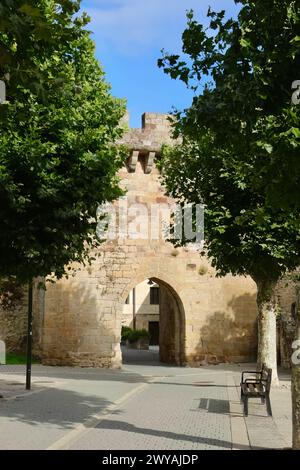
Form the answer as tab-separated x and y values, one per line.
202	317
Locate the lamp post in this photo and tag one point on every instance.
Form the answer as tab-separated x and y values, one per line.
29	337
134	309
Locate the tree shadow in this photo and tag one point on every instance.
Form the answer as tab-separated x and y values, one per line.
74	373
123	426
63	408
231	337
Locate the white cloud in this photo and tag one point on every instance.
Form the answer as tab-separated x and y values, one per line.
131	26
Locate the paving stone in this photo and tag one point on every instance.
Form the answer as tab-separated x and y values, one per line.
146	405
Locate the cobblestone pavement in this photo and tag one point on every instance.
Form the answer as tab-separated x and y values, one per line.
174	412
147	405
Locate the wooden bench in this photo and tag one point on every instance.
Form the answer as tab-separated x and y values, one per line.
258	385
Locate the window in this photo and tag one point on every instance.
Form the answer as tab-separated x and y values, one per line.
154	295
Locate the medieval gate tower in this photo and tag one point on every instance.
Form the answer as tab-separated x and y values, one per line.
201	316
78	320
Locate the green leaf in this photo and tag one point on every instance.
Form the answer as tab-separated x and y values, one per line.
245	43
29	10
296	132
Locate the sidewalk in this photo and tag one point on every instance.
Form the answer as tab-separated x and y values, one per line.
143	406
258	430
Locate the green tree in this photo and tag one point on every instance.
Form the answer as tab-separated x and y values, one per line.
58	157
247	68
242	235
58	160
240	150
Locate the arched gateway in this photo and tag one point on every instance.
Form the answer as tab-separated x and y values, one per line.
201	316
171	315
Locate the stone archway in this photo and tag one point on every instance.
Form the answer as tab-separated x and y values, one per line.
171	319
80	317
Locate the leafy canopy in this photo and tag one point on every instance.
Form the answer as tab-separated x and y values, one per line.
247	67
242	235
240	149
58	159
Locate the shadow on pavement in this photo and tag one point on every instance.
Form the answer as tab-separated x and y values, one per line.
130	428
62	408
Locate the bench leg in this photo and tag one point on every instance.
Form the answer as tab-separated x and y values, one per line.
246	406
269	409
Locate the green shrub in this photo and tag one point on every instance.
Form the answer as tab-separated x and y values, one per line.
143	333
126	331
133	335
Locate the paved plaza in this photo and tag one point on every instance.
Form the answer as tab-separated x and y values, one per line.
146	405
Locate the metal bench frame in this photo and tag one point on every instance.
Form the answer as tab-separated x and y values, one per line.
257	386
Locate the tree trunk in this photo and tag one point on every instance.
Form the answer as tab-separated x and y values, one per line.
296	386
267	347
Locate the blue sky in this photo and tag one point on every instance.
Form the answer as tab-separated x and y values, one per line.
129	36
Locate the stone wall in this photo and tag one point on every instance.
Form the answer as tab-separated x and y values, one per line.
81	323
13	326
13	322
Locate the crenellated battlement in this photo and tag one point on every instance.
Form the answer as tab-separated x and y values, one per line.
146	142
155	131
